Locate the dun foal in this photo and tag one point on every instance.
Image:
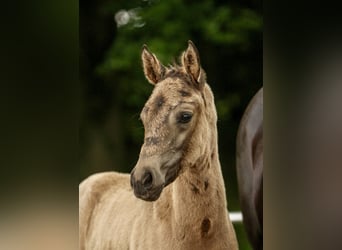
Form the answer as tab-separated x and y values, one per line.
179	199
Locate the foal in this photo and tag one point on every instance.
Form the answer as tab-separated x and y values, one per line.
179	199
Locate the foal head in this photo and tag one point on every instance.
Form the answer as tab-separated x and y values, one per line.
170	117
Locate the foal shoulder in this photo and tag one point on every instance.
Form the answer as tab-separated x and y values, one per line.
91	191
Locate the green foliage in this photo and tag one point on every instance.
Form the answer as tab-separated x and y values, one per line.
165	26
232	27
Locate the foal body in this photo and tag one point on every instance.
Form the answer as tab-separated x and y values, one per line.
191	212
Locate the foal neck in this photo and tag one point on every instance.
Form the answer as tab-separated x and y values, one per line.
201	180
199	200
198	194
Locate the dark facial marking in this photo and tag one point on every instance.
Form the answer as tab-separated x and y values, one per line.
193	166
159	101
205	227
151	141
206	184
184	93
194	188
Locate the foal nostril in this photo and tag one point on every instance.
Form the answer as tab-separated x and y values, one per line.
132	178
132	181
147	180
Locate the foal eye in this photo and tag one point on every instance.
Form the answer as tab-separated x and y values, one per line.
184	117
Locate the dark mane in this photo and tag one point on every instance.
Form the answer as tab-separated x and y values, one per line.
176	70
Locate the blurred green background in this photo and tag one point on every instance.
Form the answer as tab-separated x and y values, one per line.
228	36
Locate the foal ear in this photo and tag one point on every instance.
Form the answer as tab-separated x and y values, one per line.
191	62
153	69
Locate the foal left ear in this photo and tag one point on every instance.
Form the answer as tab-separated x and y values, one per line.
191	63
153	69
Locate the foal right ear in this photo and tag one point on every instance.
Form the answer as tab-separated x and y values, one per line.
153	69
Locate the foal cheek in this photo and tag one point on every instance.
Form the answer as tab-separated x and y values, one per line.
180	138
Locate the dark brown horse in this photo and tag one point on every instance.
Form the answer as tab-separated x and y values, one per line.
249	163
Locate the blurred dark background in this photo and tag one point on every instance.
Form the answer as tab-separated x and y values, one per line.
229	39
44	129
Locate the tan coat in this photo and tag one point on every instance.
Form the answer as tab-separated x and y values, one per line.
191	212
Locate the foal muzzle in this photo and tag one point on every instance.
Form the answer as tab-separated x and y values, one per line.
147	184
